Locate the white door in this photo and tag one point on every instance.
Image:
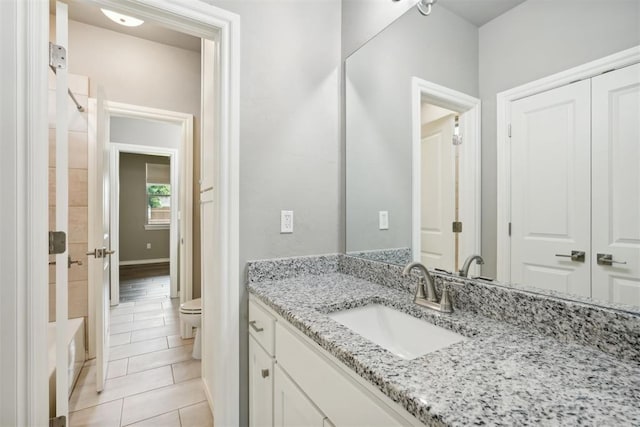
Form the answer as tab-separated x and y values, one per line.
616	186
260	386
61	212
99	265
550	189
292	407
437	194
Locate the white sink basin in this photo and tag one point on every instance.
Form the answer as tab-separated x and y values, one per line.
401	334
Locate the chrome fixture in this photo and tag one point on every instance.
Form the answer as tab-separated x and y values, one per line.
575	256
424	6
464	271
426	292
607	259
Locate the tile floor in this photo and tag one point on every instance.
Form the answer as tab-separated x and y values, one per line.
152	379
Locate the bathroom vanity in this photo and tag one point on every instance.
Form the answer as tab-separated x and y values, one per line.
308	368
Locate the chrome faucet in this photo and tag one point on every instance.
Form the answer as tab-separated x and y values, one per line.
464	271
426	292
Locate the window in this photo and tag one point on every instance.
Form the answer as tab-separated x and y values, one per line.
158	195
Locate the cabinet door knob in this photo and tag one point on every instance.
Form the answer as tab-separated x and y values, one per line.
265	373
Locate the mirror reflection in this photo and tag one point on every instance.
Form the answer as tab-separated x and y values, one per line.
547	194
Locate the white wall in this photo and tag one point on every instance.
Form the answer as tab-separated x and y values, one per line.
531	41
127	130
289	134
363	19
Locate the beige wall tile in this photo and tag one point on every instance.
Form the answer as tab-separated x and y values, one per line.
52	148
78	295
52	186
78	252
198	415
78	224
78	189
78	149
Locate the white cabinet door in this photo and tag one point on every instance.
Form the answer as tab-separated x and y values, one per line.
260	386
616	185
292	407
550	189
437	194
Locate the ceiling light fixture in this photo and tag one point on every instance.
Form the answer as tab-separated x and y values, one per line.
127	21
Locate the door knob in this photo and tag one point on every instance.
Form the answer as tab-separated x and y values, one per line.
106	252
607	259
96	253
575	256
265	373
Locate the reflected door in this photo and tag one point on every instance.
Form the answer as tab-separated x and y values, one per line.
616	186
550	189
437	194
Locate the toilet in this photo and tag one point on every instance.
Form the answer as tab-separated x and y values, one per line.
191	315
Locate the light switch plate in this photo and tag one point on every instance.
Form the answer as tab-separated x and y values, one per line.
148	245
286	222
383	220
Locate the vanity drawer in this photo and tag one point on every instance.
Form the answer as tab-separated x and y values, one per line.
262	327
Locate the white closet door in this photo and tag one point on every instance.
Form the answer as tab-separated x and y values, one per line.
616	185
437	194
550	189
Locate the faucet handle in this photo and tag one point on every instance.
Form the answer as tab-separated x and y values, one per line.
420	290
445	301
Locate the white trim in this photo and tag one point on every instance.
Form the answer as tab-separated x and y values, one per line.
470	181
151	227
24	31
145	261
504	99
25	102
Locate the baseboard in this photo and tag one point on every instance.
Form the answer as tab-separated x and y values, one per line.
207	394
145	261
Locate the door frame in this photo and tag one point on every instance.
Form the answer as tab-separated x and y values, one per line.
504	100
24	119
470	167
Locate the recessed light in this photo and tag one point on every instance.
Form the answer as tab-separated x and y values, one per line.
127	21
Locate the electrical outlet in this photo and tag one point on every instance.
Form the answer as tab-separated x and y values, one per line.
148	245
383	220
286	222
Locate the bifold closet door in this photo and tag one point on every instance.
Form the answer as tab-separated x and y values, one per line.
616	186
550	189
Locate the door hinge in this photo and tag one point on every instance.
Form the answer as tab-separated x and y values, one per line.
57	242
456	226
57	56
509	229
509	130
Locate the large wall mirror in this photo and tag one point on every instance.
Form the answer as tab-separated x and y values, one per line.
432	104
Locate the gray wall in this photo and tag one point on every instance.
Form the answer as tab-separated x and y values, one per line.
531	41
133	204
126	130
441	48
141	72
289	134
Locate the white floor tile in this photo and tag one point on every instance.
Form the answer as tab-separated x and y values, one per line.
186	370
149	404
136	348
159	358
176	341
117	368
117	388
172	419
162	331
198	415
105	415
120	339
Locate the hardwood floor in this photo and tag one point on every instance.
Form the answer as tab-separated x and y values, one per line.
143	271
140	282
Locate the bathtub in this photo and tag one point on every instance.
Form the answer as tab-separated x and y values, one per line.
76	352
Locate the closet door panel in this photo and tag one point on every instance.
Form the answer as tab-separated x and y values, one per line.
550	189
616	185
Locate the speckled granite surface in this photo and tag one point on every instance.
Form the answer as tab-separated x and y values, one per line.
503	375
398	256
610	328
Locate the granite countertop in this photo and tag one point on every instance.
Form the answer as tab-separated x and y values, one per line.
502	375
